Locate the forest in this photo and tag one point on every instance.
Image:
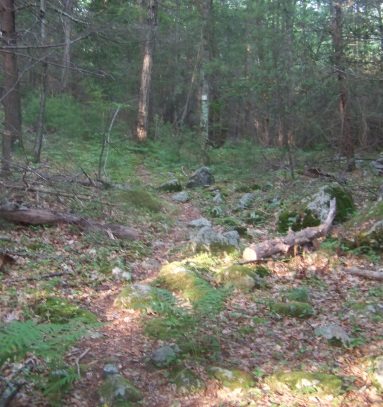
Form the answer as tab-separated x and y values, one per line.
191	203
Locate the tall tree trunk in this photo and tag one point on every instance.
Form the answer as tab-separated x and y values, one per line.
205	85
43	89
11	99
347	147
67	28
146	73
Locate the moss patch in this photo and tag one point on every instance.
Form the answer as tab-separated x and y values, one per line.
116	391
305	382
293	309
241	277
186	381
139	199
139	296
60	311
232	378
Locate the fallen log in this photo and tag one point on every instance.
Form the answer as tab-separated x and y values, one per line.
21	214
281	245
370	274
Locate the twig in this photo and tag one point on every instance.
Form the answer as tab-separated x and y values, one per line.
78	360
43	276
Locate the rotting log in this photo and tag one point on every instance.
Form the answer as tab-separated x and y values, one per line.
281	245
370	274
13	213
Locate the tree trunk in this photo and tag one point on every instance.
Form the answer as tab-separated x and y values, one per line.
67	28
43	89
146	74
346	141
11	99
205	85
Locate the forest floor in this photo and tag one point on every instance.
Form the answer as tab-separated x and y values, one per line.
251	337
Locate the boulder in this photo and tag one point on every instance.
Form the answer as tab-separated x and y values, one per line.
313	210
181	197
165	355
173	185
199	223
200	178
117	390
206	239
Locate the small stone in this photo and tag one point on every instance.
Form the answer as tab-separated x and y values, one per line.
182	197
110	369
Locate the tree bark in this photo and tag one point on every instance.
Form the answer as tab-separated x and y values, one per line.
205	84
146	73
67	28
347	147
11	98
282	245
43	89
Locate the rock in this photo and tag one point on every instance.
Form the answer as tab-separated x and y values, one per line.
180	197
165	355
245	201
321	383
377	166
378	370
232	378
200	178
186	381
110	369
240	277
217	212
116	389
206	239
333	331
313	210
217	199
199	223
172	185
293	309
136	296
371	237
120	274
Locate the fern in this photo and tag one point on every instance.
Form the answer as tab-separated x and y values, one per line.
49	341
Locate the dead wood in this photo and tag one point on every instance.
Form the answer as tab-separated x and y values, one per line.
40	277
283	244
370	274
11	212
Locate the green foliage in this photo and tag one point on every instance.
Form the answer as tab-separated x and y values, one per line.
65	116
49	341
139	199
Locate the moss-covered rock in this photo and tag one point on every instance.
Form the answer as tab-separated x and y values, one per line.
186	381
139	199
204	298
140	296
240	277
293	309
305	382
172	185
117	391
365	230
232	378
313	210
60	311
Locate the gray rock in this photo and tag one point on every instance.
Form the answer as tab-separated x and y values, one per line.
333	331
378	370
245	201
181	197
201	178
116	389
206	239
199	223
110	369
172	185
218	198
165	355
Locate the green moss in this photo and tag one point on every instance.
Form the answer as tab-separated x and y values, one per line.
60	311
207	345
371	237
241	277
298	294
262	271
166	328
176	277
117	391
232	378
312	210
139	199
305	382
186	381
141	296
293	309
